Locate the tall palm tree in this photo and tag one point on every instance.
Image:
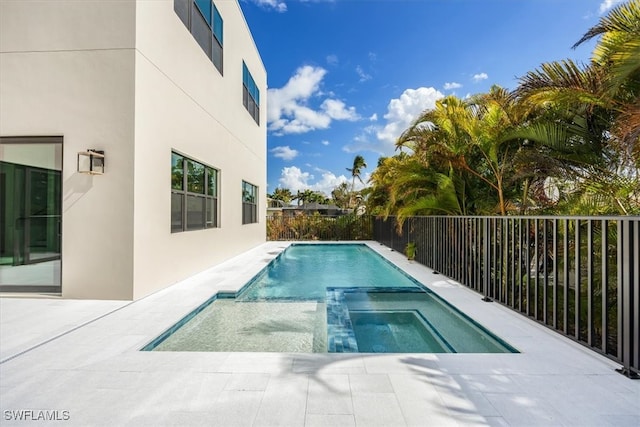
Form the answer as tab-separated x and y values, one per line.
356	172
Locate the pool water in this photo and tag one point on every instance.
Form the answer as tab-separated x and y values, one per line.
318	298
394	332
305	271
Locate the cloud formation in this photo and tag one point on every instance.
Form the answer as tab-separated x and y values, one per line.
284	152
608	4
332	59
277	5
452	85
363	76
401	112
288	111
479	77
295	179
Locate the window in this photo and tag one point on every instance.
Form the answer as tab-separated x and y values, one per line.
250	94
205	23
194	194
249	203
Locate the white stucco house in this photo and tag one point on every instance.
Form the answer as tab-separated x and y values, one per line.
171	97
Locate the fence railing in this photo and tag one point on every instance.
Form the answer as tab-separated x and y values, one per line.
318	227
577	275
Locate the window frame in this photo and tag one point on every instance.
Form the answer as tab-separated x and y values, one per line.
188	192
249	208
250	94
188	10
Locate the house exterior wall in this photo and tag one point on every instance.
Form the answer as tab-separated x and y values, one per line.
127	77
184	103
67	69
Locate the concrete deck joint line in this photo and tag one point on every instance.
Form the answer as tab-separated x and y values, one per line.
60	335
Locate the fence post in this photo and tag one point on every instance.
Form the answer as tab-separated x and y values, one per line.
486	274
628	307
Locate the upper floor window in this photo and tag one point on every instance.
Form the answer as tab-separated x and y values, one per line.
250	94
249	203
204	21
194	194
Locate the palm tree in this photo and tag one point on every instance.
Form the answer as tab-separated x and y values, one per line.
341	195
618	53
470	140
356	171
595	115
283	194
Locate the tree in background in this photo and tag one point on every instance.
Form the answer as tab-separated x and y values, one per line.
356	172
565	141
283	194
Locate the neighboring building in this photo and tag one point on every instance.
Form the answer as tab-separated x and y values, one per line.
274	207
174	93
314	208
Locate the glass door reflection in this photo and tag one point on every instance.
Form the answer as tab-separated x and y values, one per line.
30	214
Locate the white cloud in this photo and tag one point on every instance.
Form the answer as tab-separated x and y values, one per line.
338	110
479	77
373	57
363	76
295	179
374	117
288	111
401	112
285	152
277	5
332	59
325	142
452	85
608	4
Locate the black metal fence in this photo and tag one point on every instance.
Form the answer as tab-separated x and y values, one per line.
577	275
318	227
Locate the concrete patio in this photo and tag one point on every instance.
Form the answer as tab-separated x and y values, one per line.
80	362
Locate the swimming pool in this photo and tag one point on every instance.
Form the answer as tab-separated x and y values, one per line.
319	298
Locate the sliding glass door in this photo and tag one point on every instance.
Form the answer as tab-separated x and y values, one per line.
30	214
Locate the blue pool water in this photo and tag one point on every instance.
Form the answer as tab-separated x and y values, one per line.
305	271
319	298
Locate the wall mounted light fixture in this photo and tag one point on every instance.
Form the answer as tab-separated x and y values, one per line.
91	162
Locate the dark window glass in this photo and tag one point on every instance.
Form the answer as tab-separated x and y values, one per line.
205	23
216	55
249	203
212	212
201	31
218	26
250	94
245	97
212	182
205	9
181	7
196	206
195	177
195	212
177	171
177	202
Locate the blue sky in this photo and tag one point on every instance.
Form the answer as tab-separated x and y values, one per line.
346	77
